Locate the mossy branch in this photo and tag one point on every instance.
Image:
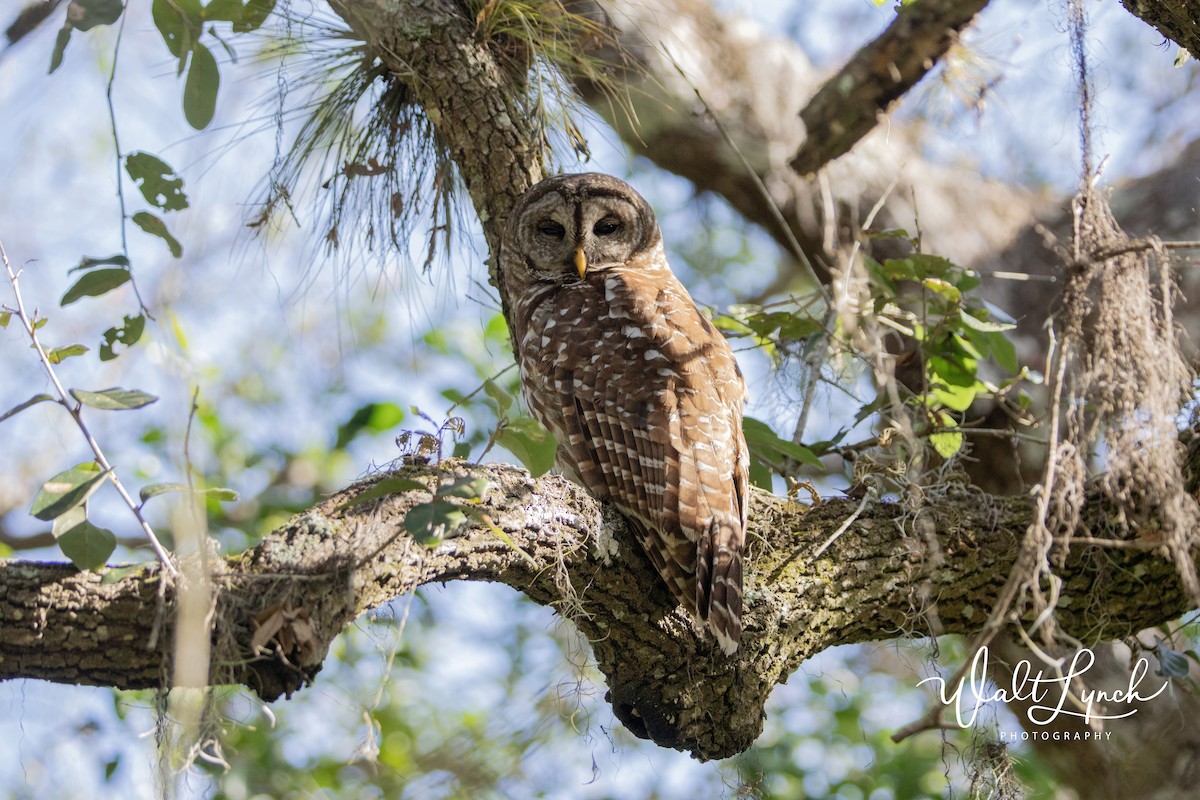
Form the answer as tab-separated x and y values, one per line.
290	596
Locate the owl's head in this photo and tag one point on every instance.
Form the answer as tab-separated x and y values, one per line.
570	226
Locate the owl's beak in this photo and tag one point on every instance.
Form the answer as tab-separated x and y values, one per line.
581	264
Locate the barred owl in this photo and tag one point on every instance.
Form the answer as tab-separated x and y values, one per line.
642	393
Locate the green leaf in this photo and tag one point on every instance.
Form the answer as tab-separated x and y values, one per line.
466	488
952	381
87	14
1004	352
69	519
5	318
971	321
946	443
155	179
88	262
898	269
760	475
969	280
223	11
764	444
155	489
115	399
724	322
200	89
496	331
372	417
66	490
86	545
60	48
437	340
128	334
33	401
254	15
931	266
179	22
944	288
386	488
971	347
58	354
429	523
244	17
96	283
503	399
801	326
889	233
958	398
156	227
533	445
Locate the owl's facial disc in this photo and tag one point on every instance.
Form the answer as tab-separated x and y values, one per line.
576	226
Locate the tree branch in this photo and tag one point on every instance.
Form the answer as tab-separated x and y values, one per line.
1178	20
848	106
668	681
754	81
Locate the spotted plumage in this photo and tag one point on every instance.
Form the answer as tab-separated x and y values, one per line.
642	393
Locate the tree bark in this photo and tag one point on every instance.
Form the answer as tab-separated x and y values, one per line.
1177	20
667	680
718	101
847	107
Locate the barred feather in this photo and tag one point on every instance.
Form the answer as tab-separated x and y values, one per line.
645	398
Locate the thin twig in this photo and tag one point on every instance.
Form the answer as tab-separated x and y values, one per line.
1000	433
772	206
112	120
75	410
871	495
1024	565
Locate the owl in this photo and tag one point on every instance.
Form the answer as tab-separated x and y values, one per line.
642	393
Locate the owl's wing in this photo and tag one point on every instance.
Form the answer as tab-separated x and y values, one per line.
656	431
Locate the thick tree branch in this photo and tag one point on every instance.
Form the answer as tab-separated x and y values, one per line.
848	106
667	680
1178	20
753	82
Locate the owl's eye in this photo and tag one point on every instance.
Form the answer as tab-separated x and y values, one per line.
549	227
607	227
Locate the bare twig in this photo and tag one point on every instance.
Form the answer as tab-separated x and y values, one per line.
112	119
871	496
776	214
75	410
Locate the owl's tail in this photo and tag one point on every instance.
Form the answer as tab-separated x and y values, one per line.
719	581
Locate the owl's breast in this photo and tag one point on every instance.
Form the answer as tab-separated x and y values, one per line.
617	325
